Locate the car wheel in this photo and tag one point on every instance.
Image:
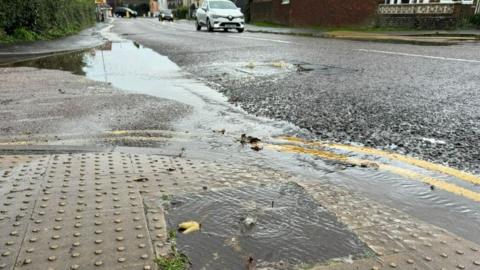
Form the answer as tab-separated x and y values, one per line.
240	30
225	29
209	26
199	27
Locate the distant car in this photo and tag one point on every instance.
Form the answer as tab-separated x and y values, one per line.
219	14
165	15
122	12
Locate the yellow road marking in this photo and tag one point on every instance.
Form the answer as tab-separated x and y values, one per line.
406	159
449	187
304	150
452	188
16	143
119	132
133	138
107	135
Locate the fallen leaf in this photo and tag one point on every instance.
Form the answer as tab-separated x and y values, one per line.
189	227
249	139
369	165
251	264
221	131
143	179
256	147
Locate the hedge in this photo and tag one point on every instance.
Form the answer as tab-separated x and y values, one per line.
475	20
44	19
181	12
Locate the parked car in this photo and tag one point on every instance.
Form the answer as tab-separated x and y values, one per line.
219	14
165	15
122	12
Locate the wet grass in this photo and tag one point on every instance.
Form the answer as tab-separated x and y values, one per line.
22	34
268	24
172	236
175	260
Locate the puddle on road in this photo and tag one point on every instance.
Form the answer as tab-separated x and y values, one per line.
129	66
270	70
126	65
279	226
72	62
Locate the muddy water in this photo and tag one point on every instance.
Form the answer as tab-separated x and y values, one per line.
279	226
73	62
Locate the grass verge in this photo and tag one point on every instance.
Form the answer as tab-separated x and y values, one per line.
24	35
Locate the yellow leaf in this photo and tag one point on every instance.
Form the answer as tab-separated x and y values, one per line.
189	227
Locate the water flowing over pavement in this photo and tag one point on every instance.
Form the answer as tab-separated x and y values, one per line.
389	201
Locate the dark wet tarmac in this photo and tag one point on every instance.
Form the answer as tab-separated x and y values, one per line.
354	92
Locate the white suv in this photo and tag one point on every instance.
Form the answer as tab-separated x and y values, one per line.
220	14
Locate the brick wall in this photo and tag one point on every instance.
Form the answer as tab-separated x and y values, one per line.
261	11
457	15
332	12
316	12
281	13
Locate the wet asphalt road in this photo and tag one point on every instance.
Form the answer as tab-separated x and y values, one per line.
416	100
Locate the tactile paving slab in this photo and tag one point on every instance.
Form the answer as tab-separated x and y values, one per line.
399	241
102	211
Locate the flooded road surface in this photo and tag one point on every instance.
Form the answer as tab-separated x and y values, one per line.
279	226
212	132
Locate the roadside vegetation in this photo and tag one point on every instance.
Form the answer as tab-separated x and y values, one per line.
475	20
175	260
181	12
43	19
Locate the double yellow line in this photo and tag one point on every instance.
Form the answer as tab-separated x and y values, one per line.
326	151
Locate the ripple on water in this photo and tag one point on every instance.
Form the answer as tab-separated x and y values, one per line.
239	223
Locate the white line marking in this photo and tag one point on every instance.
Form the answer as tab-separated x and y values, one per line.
37	119
265	39
422	56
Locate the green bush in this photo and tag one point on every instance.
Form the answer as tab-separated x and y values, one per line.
23	33
181	12
44	19
475	20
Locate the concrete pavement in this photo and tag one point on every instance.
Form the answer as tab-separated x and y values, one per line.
86	39
106	211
